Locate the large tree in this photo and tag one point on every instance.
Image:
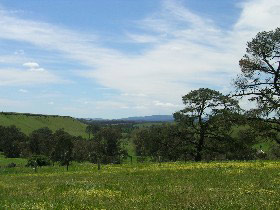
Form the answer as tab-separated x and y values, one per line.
260	73
209	116
259	80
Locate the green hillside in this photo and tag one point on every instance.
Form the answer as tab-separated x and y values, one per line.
28	123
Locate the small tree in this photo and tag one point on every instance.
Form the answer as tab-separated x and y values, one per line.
208	116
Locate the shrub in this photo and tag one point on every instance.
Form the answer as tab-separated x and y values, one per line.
38	160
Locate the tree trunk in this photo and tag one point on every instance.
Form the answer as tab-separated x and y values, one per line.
98	164
198	156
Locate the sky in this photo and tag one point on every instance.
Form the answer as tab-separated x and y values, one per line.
120	58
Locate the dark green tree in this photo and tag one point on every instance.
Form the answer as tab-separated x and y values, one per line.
167	142
12	141
81	149
107	145
41	141
208	116
91	129
63	148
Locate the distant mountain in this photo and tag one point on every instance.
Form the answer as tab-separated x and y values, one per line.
152	118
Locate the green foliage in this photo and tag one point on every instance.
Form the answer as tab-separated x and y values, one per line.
41	141
92	129
82	149
106	146
38	160
166	141
241	147
207	117
12	141
274	152
63	148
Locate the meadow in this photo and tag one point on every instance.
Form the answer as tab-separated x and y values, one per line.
215	185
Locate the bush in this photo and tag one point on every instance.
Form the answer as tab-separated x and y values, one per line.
38	160
11	165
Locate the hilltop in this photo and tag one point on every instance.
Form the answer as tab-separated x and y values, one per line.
29	122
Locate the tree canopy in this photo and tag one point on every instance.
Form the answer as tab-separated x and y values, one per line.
208	115
260	73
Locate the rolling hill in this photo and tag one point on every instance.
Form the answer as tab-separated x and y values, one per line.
29	122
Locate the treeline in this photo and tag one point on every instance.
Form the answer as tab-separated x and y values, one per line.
48	147
31	114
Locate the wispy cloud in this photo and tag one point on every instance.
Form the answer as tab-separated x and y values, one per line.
17	77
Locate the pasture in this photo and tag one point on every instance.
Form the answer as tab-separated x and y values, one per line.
215	185
27	124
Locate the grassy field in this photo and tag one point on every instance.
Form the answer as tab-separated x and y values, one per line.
29	123
227	185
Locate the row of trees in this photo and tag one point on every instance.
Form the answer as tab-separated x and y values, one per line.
60	146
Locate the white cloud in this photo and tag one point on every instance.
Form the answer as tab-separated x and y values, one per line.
51	103
33	66
258	15
167	105
23	90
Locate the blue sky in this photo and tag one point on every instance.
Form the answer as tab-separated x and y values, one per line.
120	58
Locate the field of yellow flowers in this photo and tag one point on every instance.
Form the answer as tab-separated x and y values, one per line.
216	185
